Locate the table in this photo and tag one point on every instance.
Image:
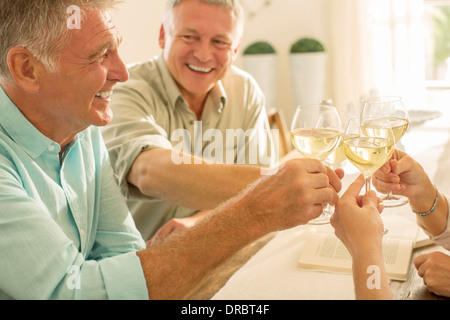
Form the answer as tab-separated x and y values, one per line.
412	289
267	269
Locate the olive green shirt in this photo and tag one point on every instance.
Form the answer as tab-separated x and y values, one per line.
150	112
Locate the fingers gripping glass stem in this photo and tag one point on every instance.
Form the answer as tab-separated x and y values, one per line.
316	132
368	148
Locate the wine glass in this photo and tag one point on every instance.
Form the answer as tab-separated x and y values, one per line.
315	132
393	110
369	150
337	158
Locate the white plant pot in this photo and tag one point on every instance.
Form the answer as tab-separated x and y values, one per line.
263	68
308	74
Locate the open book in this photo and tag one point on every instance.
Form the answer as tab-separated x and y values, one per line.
324	251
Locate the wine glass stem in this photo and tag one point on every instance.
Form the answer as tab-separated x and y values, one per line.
368	180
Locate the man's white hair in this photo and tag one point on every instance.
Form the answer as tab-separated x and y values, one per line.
233	5
40	26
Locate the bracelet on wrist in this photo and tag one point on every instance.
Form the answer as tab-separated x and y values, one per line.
433	208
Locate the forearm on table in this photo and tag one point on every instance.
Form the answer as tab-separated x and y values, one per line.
174	268
199	186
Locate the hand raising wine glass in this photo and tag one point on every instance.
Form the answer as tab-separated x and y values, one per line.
393	110
315	132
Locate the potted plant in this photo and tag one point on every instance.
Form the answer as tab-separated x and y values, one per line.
260	60
308	60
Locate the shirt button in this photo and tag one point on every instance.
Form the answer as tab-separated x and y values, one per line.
51	148
82	232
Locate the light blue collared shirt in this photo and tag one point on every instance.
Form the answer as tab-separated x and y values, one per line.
65	230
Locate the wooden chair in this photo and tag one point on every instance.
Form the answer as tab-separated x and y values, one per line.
277	121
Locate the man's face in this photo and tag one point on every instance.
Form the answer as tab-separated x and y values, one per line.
79	92
200	43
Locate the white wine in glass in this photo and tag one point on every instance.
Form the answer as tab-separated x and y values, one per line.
315	132
337	158
315	143
393	110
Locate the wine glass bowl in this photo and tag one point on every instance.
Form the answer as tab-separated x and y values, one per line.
337	158
368	149
316	132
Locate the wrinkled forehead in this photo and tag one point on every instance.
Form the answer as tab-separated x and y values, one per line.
91	21
96	33
187	9
205	19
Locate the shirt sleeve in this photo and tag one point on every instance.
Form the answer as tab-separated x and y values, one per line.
260	144
117	240
132	131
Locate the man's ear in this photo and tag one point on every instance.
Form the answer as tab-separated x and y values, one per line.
162	37
236	49
24	68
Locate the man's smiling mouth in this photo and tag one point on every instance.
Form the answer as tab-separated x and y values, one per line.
199	69
104	95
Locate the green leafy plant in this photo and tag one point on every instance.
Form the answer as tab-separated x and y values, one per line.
307	45
441	21
259	47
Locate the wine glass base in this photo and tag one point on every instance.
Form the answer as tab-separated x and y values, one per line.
393	201
324	218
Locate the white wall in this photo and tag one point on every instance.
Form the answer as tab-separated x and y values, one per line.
282	23
139	22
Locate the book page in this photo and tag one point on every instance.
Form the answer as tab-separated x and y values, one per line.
324	251
422	240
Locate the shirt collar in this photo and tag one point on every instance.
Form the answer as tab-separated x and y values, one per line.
219	96
23	132
217	93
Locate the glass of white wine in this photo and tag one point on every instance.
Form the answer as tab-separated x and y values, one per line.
368	150
393	110
337	158
315	132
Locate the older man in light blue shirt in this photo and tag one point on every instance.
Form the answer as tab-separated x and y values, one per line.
77	237
65	231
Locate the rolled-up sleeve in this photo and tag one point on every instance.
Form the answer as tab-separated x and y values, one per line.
124	277
132	131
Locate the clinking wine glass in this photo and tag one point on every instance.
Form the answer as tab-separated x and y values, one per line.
337	158
315	132
369	150
393	110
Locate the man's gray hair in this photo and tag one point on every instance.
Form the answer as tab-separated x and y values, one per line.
40	26
233	5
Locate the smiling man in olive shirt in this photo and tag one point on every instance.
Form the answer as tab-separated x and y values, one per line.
182	109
